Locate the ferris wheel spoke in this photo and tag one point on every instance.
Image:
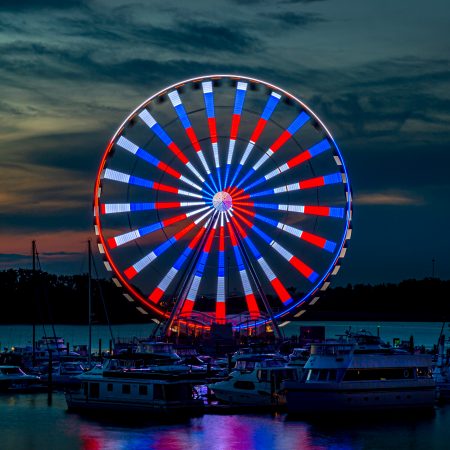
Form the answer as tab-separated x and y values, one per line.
208	96
252	305
301	267
213	189
116	208
150	121
126	144
126	178
301	119
271	104
278	287
315	150
316	182
238	195
306	236
137	267
239	99
184	119
143	231
220	294
189	301
298	122
165	283
324	211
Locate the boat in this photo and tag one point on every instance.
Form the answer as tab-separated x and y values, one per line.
256	349
254	381
133	383
40	357
441	371
13	378
64	373
342	376
298	357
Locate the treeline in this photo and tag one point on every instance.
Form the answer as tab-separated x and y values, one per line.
47	298
425	300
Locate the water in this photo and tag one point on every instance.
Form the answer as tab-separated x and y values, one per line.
425	333
27	422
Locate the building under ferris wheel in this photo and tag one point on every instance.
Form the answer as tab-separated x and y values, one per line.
222	200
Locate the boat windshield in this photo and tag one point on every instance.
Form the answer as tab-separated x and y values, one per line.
331	349
156	347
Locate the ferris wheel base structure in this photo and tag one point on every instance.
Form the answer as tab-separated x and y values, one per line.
222	199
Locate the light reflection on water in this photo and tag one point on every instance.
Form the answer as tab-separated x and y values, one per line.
27	422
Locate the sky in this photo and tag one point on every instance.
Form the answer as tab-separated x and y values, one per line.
377	73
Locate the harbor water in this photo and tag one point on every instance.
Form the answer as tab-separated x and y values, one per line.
29	421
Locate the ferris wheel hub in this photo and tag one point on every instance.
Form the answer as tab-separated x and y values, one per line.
222	201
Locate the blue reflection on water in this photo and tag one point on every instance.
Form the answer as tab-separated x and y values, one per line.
27	422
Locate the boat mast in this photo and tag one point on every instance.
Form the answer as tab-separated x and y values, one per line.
33	250
90	302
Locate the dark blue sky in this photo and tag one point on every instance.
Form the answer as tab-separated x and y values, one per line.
377	73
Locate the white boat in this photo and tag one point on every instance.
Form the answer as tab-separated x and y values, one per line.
64	373
267	351
254	381
14	378
298	357
342	377
133	383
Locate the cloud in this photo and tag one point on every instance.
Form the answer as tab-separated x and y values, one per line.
13	257
63	243
292	2
388	198
26	5
204	36
295	19
43	199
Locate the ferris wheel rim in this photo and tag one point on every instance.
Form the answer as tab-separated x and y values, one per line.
97	189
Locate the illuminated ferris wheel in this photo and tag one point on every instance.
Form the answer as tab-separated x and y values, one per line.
222	199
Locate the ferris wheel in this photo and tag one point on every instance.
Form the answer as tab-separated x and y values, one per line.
222	199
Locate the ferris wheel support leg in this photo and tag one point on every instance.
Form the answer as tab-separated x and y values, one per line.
257	283
188	277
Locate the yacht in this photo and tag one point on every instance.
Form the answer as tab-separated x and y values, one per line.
64	373
441	371
298	357
255	380
256	349
344	376
14	378
134	383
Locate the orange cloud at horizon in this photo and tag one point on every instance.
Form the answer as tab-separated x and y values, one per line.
46	242
393	198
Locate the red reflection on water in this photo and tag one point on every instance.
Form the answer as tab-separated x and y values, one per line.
91	443
170	439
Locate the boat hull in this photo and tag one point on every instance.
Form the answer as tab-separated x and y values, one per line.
153	409
311	398
255	398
